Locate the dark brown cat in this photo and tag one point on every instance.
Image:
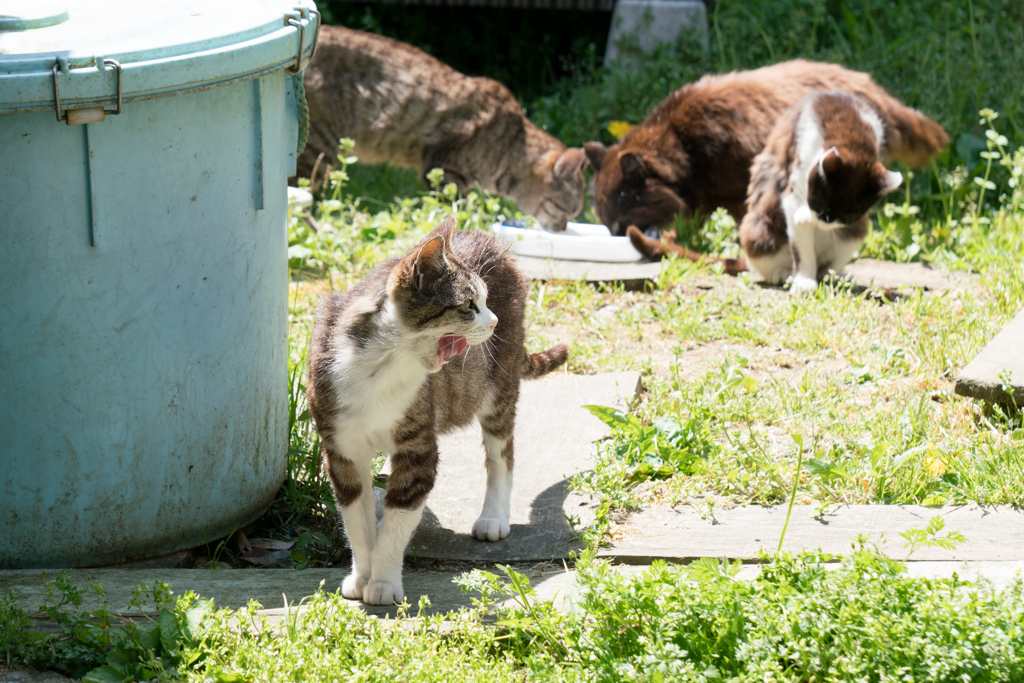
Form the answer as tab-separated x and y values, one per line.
812	187
404	107
421	346
694	151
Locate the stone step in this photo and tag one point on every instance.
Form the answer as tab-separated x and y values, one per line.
874	274
682	535
271	587
554	440
1003	357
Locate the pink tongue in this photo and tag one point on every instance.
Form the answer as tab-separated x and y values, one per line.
451	345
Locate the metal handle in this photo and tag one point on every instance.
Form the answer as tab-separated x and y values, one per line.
290	20
62	116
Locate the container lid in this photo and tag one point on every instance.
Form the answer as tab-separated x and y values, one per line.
162	48
18	17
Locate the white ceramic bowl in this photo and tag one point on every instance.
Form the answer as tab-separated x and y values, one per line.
579	242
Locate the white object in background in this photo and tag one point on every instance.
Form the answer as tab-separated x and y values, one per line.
586	230
296	195
653	22
579	242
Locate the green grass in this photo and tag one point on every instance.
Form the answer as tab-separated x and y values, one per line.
798	619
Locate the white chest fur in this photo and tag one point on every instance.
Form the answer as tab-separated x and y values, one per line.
375	385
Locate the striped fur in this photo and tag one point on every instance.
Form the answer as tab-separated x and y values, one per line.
404	107
379	380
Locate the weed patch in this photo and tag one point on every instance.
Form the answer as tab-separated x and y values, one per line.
803	617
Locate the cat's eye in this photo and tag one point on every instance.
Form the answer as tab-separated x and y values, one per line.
470	305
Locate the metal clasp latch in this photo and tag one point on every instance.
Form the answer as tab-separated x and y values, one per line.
301	62
95	114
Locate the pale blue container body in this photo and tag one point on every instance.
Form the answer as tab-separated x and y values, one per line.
143	321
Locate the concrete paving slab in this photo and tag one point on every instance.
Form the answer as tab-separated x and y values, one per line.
631	275
680	535
562	588
1004	354
235	588
876	274
230	588
554	440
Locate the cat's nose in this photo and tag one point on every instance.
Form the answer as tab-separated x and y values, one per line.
494	323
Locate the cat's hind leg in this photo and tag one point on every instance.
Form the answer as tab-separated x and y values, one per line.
413	471
764	240
353	492
497	424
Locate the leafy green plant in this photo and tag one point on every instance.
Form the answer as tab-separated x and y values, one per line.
101	647
654	451
929	537
811	616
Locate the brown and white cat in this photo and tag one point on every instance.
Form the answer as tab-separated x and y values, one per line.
694	151
406	108
812	187
425	343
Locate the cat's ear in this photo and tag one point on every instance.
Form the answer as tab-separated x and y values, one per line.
570	163
829	163
428	262
888	180
596	152
445	229
632	166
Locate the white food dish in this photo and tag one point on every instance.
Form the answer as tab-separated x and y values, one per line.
579	242
299	197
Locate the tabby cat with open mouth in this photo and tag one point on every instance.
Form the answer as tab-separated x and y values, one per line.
424	344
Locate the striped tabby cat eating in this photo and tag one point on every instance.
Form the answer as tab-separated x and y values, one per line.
424	344
406	108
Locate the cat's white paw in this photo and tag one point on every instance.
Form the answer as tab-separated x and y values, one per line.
490	529
802	284
352	587
383	593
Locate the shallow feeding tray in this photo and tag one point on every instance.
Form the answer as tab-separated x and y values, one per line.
579	242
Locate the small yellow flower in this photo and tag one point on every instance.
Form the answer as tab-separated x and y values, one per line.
935	465
619	128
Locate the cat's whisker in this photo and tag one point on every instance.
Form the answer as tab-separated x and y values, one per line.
493	358
484	273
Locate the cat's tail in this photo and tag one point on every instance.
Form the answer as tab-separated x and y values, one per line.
538	364
911	136
656	250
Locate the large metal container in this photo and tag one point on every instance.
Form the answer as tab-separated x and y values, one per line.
143	271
